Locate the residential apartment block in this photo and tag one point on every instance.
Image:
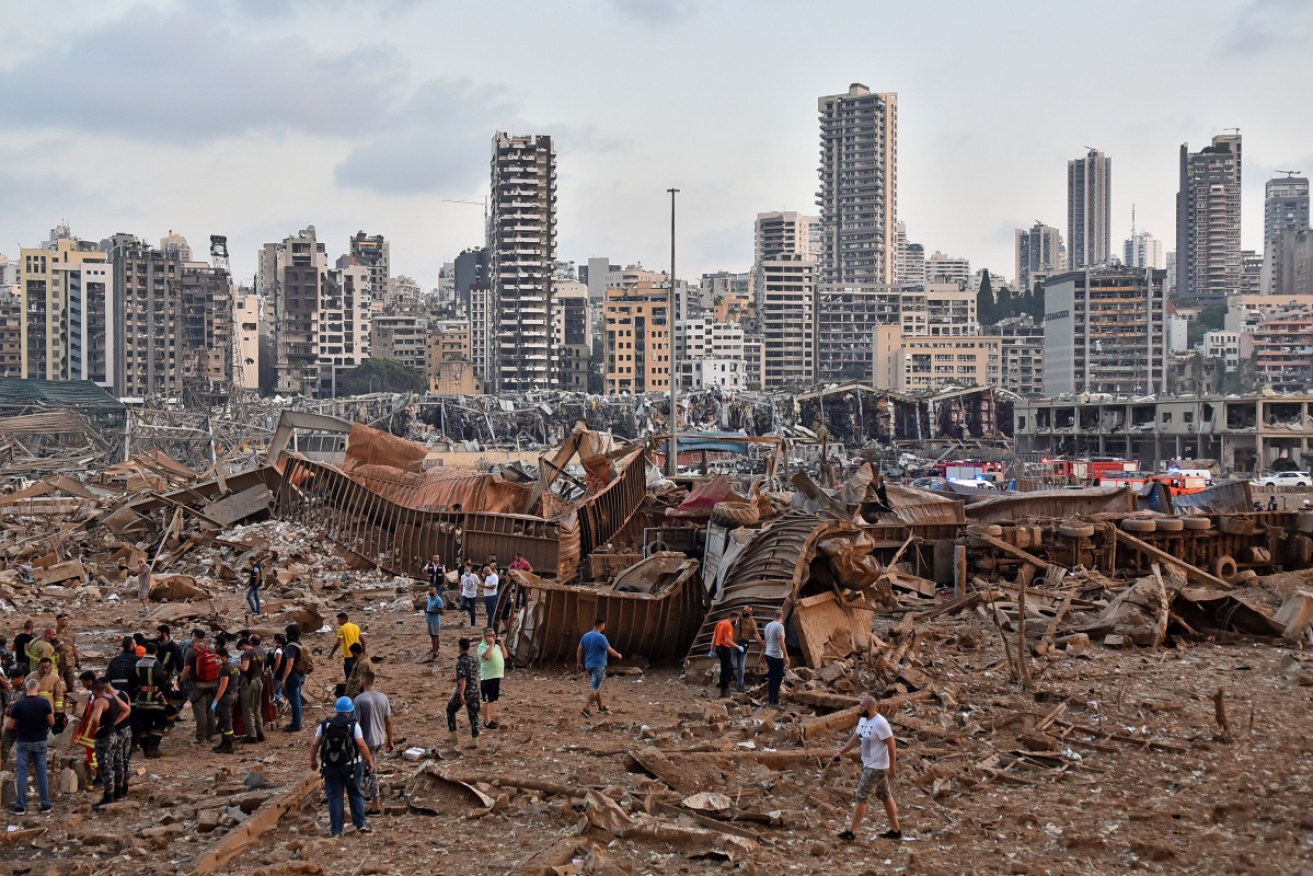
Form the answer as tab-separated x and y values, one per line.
1209	263
11	333
787	316
637	340
1285	205
400	336
572	334
919	364
67	287
1040	254
248	329
858	193
1103	332
522	261
1021	354
1089	210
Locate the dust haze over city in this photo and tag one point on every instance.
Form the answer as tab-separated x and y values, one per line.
721	413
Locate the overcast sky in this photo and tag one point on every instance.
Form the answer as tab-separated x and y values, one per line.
254	118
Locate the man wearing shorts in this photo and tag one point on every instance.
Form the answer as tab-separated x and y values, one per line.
591	656
434	606
879	766
492	668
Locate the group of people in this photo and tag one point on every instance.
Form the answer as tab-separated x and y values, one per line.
477	585
235	685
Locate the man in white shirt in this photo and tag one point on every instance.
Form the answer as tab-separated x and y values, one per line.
469	593
879	766
491	582
777	656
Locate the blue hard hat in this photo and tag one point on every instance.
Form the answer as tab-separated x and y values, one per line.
344	704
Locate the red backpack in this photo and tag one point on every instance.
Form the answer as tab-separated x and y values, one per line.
208	664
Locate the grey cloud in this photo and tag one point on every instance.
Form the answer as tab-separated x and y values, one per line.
1265	25
655	11
47	194
439	141
173	79
287	8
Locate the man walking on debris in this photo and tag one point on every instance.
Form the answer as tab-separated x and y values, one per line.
374	712
143	586
745	632
879	767
777	656
725	646
254	580
467	691
469	593
492	668
591	656
342	744
434	606
348	634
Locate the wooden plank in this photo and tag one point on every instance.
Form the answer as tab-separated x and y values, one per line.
1193	573
847	719
248	833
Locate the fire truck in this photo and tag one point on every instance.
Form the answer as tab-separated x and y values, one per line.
1085	471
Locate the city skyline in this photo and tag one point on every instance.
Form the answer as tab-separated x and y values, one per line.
254	120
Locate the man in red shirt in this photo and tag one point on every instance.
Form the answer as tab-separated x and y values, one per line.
723	643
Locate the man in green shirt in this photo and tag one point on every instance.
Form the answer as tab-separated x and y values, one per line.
492	667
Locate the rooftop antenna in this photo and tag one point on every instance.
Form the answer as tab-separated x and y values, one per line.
1289	173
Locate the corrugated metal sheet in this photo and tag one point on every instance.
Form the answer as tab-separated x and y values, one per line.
1053	504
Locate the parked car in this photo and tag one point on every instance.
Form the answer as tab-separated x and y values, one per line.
1287	479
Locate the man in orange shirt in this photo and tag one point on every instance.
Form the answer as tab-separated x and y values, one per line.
724	645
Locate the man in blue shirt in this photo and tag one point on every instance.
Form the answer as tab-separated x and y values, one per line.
592	654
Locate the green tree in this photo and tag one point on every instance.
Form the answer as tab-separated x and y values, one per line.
987	310
380	375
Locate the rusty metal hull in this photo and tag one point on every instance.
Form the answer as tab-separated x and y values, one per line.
555	616
401	540
603	515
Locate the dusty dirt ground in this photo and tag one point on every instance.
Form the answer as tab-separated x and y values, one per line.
1139	776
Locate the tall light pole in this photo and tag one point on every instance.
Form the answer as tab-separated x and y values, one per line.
672	458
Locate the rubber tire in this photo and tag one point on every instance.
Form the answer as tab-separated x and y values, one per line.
1196	524
657	547
1076	530
1139	524
736	513
1169	524
1224	567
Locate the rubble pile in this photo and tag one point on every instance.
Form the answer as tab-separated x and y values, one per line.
1077	682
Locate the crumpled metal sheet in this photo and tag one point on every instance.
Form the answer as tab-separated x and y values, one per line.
1227	497
911	505
1052	504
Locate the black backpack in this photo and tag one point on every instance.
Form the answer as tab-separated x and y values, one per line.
338	743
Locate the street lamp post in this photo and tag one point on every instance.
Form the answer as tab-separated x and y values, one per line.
672	457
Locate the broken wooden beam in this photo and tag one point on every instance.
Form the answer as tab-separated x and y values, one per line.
847	718
1191	572
999	544
248	833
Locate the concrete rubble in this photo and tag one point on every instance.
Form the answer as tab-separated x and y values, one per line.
1080	681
